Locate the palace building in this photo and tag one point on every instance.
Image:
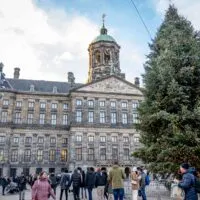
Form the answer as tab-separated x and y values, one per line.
47	125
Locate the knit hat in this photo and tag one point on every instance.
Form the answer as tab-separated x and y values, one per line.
185	166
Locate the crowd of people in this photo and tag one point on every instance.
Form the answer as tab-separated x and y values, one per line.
108	185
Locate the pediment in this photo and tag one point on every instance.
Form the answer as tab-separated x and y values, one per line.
111	85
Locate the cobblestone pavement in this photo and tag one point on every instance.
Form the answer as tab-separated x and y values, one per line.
155	191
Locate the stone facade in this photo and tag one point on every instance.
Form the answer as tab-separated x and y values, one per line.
48	125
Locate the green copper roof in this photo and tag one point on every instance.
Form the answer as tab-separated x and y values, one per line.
104	37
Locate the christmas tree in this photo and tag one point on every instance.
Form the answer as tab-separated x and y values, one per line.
170	112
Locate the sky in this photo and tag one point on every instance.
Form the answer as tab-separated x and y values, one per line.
47	39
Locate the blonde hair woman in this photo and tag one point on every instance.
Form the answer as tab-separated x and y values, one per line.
134	183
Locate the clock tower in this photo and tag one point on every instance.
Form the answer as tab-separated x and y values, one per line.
104	57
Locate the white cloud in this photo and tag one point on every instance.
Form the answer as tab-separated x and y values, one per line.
42	43
190	9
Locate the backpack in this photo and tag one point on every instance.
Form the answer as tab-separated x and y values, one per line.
197	185
147	180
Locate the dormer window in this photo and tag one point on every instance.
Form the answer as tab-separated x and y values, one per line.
55	90
32	88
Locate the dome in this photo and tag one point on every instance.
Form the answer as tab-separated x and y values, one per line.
104	37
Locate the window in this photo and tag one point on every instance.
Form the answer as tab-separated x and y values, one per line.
42	118
78	102
91	154
14	155
54	106
124	104
125	139
53	119
5	102
78	153
17	117
113	104
124	118
113	118
136	118
52	155
27	155
65	119
126	154
2	139
91	138
30	118
102	103
103	139
18	104
1	155
102	117
90	116
64	155
65	141
91	103
42	105
31	104
136	139
39	155
135	105
52	140
79	138
114	153
15	140
4	116
40	140
65	106
114	138
78	116
28	140
103	154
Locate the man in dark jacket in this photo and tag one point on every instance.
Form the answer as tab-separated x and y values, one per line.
76	182
64	184
100	183
90	181
4	183
21	181
188	183
142	182
53	182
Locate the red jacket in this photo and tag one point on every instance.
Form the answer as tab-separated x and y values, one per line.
41	190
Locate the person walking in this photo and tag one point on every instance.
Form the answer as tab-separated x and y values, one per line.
76	182
188	182
142	183
90	181
100	183
41	189
64	184
21	182
134	183
83	189
116	177
53	182
4	183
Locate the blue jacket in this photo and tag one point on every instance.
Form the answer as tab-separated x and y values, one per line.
188	185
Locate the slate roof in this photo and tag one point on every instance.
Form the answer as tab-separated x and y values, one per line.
40	85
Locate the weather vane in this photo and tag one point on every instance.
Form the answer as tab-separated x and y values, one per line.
103	18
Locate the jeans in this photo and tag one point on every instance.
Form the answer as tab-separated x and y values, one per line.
21	194
143	193
66	193
76	191
89	193
118	193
